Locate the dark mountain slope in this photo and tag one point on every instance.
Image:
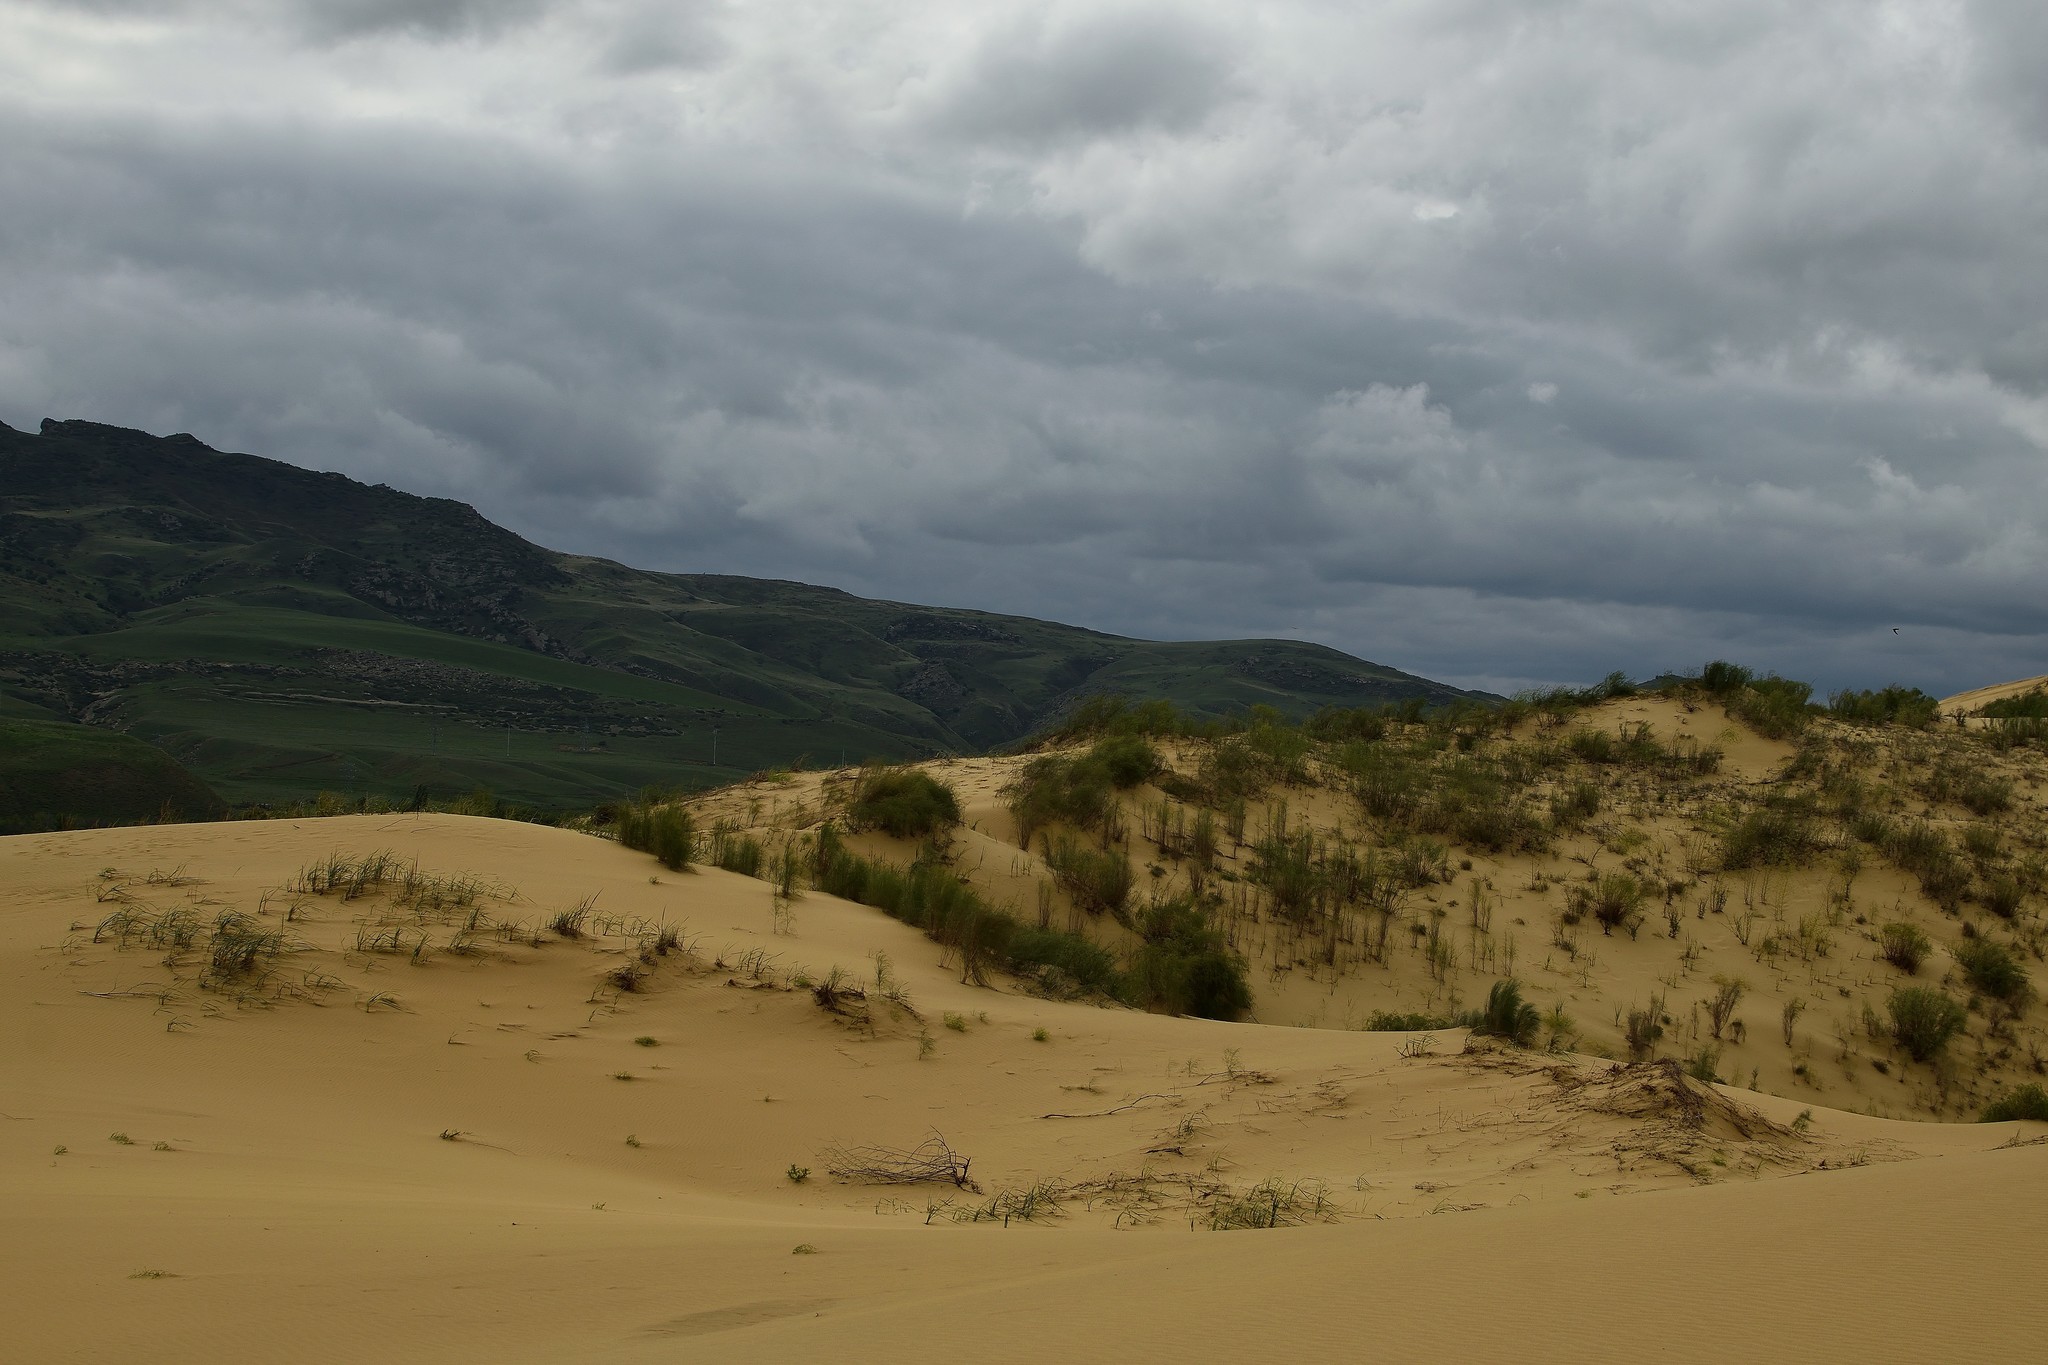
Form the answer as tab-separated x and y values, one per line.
281	631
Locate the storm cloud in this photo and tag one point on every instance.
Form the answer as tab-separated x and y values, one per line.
1508	343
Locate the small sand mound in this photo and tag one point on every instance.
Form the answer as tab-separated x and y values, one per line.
1670	1119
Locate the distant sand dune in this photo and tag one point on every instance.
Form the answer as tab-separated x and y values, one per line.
1962	703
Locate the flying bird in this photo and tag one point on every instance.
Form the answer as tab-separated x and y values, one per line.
1895	630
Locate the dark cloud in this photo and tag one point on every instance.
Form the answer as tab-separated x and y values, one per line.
353	18
1044	77
1504	349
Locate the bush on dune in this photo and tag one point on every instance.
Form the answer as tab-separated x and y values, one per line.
903	803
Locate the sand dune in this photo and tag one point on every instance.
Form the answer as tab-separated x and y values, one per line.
1963	703
1801	934
365	1149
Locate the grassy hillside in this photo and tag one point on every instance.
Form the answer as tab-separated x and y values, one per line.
56	775
280	632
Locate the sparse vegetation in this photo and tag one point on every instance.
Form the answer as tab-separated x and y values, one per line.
1224	844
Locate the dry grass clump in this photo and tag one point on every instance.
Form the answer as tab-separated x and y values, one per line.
232	954
1903	945
1272	1203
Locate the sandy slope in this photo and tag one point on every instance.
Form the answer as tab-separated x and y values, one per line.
1963	703
1804	938
306	1206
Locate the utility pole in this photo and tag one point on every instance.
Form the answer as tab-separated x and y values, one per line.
714	746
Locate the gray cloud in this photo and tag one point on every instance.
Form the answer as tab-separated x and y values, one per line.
1506	349
1044	76
325	19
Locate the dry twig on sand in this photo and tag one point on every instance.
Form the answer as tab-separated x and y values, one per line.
931	1162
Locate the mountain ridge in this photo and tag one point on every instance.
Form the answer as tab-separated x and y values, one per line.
234	608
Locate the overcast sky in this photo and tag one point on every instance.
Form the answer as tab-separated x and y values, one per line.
1504	341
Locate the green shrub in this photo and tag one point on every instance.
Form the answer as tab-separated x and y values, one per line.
1418	863
1087	965
1471	801
1723	679
1774	707
1592	746
2003	895
2027	1102
1992	969
927	895
735	851
1113	714
1097	879
1127	759
1924	851
1983	843
1575	805
1184	965
1054	789
666	831
1924	1020
1282	746
1389	783
1507	1016
1616	900
2015	731
1340	725
1907	706
1983	794
1779	834
1232	770
2027	706
1286	868
1903	945
903	803
1387	1021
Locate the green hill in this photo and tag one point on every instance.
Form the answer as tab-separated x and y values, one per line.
56	775
280	631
